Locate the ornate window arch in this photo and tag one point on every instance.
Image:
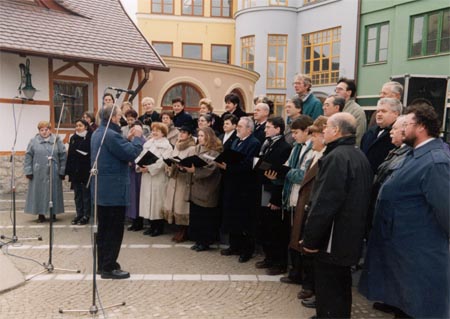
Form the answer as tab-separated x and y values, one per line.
187	91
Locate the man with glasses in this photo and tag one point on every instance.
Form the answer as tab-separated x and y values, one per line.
408	260
311	105
346	89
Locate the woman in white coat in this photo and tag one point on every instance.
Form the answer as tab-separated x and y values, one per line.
154	180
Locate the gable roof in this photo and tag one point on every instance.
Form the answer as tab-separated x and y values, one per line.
96	31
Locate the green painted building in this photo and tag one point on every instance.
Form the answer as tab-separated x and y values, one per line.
400	37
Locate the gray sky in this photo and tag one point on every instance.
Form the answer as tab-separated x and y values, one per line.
131	8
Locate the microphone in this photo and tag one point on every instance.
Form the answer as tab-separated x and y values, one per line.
120	90
66	95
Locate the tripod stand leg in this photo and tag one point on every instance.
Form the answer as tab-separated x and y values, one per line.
93	309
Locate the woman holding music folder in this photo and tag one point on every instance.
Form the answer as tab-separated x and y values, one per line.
78	168
176	202
204	196
154	180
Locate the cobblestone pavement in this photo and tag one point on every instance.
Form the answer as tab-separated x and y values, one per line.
168	281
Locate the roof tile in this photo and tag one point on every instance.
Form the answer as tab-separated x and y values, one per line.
95	31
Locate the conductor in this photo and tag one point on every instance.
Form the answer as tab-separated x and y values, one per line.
113	187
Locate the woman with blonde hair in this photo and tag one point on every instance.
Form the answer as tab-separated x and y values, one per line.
204	196
154	180
206	108
37	170
150	115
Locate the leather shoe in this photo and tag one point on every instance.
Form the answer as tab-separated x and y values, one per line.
148	231
305	294
276	270
244	258
202	247
115	274
309	303
263	264
229	252
156	232
83	221
289	280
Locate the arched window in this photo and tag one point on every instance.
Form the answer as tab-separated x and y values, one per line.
238	92
189	93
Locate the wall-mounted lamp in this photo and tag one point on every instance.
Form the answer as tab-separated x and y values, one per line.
25	85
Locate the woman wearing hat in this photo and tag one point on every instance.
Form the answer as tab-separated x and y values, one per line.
176	203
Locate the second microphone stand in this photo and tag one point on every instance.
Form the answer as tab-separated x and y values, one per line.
48	267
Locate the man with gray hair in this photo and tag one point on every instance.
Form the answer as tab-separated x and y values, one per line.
260	116
240	193
311	105
113	182
336	223
376	142
391	89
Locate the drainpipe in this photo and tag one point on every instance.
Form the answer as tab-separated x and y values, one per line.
141	85
358	26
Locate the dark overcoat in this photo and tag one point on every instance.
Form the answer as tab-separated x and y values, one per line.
229	142
277	155
376	147
79	158
407	263
240	189
336	224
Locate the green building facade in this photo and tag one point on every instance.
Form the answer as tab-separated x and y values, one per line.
400	37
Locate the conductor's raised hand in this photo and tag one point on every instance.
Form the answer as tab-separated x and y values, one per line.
135	131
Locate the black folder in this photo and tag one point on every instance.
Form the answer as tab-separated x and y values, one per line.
186	162
229	156
146	158
281	170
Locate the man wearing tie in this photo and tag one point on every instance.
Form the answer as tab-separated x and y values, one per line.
240	194
376	142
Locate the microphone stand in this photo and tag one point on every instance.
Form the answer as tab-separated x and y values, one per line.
14	239
93	309
48	267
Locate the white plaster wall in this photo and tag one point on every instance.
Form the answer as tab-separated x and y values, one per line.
296	20
331	14
116	77
261	22
27	117
10	75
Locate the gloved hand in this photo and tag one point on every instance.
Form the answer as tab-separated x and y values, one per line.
30	177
